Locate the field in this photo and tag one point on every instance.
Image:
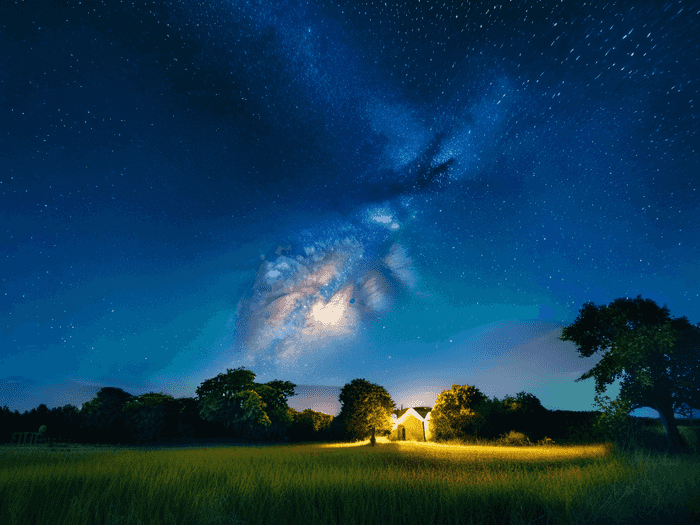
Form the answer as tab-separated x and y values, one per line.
324	484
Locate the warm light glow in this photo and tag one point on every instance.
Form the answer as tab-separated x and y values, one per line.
554	452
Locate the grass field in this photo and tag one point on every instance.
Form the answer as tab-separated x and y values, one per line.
391	483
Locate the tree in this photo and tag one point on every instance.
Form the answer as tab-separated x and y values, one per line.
525	403
489	422
188	420
65	423
684	366
103	414
525	413
151	417
365	410
34	418
275	395
310	425
10	422
227	385
614	422
250	410
454	415
253	418
655	355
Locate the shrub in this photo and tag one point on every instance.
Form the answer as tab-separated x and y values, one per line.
515	439
546	442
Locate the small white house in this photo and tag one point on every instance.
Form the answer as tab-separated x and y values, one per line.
411	424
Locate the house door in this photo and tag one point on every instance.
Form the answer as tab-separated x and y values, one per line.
403	434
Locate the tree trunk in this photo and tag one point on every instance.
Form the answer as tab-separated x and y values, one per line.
372	439
665	410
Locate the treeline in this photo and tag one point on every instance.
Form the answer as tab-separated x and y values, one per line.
464	413
172	421
233	406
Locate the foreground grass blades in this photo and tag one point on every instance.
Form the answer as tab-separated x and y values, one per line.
392	483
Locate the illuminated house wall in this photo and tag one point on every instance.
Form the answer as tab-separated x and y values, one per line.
411	424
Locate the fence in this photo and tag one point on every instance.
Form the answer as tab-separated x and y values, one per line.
27	438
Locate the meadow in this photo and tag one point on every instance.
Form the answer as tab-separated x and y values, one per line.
391	483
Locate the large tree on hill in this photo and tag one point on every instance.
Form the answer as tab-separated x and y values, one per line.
366	410
250	410
454	415
656	356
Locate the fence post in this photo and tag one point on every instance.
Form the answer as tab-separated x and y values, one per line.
25	438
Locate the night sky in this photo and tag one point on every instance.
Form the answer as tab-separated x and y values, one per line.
416	193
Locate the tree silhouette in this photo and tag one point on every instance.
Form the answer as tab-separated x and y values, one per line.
656	356
102	417
151	417
64	422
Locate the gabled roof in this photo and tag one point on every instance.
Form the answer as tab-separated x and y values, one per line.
419	413
422	411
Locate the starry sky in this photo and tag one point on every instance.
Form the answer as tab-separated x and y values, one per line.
418	193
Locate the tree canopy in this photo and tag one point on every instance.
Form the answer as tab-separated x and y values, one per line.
310	424
104	413
454	414
148	416
250	410
654	354
524	403
366	409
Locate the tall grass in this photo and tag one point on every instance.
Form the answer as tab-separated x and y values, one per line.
392	483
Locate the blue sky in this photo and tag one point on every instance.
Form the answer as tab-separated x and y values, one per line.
417	194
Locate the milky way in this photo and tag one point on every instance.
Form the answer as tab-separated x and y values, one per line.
418	193
329	279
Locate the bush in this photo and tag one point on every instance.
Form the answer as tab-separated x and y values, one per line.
515	439
546	442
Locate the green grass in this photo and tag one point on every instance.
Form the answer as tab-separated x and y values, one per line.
392	483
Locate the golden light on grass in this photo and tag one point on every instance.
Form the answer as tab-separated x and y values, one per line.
390	484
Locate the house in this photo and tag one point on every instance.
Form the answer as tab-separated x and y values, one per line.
411	424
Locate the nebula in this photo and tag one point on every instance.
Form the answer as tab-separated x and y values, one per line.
324	292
